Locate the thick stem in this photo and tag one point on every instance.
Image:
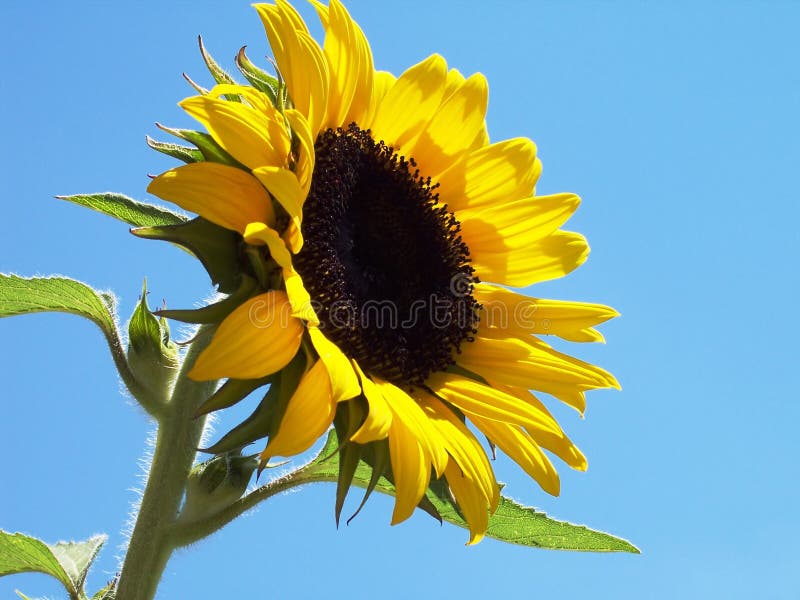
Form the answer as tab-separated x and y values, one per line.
178	437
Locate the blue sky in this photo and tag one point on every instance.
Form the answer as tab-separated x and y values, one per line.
677	124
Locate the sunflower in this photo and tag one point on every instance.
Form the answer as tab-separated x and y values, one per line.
373	212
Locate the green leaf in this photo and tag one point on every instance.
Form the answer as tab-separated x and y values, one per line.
128	210
22	295
68	562
512	522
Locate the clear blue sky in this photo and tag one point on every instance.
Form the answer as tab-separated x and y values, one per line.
679	127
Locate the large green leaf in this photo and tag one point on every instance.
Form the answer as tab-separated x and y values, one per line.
23	295
511	523
127	209
68	562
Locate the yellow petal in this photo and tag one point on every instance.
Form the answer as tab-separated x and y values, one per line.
552	257
410	102
379	416
350	65
308	415
471	501
255	98
405	409
260	337
523	450
300	299
252	137
283	185
466	451
552	439
455	125
224	195
474	398
411	468
306	157
381	83
300	61
518	314
344	381
259	233
489	175
515	224
518	363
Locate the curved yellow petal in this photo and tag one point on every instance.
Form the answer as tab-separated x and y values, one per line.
471	501
308	415
252	137
300	61
259	233
476	399
300	299
492	174
453	128
344	381
515	362
306	156
552	439
552	257
255	98
515	224
518	314
379	416
260	337
466	451
224	195
411	468
382	82
523	450
350	65
283	185
405	409
410	103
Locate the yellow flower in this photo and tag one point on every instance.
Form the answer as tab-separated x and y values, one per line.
383	208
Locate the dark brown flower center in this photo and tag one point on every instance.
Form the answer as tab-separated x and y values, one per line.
383	262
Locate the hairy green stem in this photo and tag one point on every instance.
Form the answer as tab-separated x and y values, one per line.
177	440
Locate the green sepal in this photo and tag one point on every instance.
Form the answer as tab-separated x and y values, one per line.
182	153
258	78
216	484
231	392
108	592
349	457
254	427
265	420
218	73
216	312
68	562
152	355
128	210
216	247
205	143
377	457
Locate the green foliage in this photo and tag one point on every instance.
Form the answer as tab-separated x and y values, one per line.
68	562
22	295
512	522
182	153
128	210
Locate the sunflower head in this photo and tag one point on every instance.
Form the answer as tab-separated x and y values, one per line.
365	233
